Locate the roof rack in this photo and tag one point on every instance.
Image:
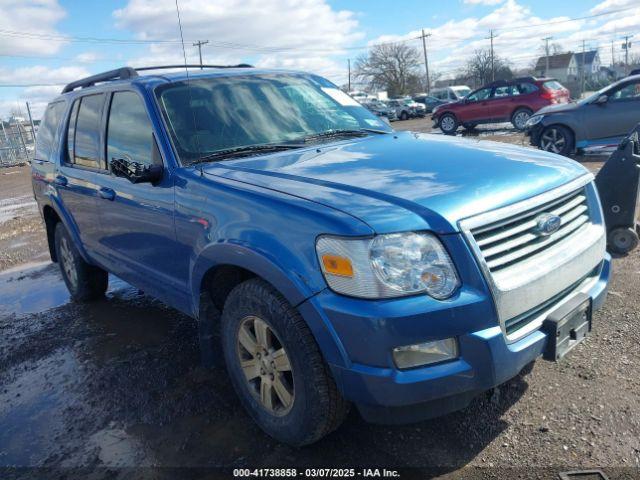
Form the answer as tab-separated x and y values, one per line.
164	67
117	74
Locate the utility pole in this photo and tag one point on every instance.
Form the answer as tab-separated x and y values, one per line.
626	46
426	61
613	58
199	44
349	69
33	129
584	65
546	51
493	71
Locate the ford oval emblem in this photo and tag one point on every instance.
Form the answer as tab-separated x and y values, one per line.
547	223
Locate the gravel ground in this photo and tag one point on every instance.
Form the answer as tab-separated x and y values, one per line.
118	383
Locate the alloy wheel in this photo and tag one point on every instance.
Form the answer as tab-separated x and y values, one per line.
552	140
520	119
447	124
266	366
68	264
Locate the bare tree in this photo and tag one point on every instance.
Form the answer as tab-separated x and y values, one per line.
478	68
392	67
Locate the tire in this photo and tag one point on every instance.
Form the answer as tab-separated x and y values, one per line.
557	139
448	124
622	240
85	282
520	117
311	407
404	115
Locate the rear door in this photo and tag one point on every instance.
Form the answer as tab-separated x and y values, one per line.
477	106
47	147
137	236
502	103
75	178
617	117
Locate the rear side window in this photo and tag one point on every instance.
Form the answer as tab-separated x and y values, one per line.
86	145
526	88
129	133
552	85
505	91
45	142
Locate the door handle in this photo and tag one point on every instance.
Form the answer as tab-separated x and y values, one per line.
61	181
107	193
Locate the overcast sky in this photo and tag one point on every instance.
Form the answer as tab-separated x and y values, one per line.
47	43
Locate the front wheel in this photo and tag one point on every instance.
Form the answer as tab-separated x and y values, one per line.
448	124
557	139
404	115
85	282
276	367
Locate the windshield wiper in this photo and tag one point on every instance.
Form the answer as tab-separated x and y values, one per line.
245	151
359	132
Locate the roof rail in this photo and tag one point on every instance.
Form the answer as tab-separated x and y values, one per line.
164	67
117	74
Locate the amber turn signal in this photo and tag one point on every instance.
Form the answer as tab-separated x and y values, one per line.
336	265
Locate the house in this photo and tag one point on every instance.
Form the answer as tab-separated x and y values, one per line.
562	66
588	63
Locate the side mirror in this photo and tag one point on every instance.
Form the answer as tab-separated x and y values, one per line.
136	172
601	100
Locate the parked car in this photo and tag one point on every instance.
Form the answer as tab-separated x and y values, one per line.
451	94
503	101
328	259
379	108
428	101
405	108
601	120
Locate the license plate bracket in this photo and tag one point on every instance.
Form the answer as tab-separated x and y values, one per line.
567	326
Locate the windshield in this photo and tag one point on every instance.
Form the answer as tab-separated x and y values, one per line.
221	113
461	92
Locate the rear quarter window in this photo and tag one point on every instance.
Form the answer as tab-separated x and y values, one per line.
47	133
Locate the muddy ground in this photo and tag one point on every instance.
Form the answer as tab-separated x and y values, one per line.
118	383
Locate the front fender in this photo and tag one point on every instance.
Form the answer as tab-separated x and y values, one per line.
288	280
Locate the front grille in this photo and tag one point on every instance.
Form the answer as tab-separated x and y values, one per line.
507	242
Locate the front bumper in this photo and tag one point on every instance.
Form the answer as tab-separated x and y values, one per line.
385	394
534	134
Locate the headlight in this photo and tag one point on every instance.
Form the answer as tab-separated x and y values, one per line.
387	266
533	120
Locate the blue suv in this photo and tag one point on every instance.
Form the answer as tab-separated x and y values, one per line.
328	260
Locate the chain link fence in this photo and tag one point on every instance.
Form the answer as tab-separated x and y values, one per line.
17	143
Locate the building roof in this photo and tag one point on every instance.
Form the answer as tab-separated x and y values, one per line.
589	57
561	60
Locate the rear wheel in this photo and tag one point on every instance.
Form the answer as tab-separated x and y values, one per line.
404	115
276	366
557	139
85	282
520	117
448	124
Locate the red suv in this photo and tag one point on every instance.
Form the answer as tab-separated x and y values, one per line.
502	101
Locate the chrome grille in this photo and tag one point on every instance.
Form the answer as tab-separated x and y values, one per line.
515	239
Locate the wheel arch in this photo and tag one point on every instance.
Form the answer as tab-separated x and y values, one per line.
54	213
221	267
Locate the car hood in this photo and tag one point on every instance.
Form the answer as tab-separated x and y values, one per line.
557	108
406	181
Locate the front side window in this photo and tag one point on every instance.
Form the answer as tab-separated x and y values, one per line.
481	94
214	114
45	142
129	130
630	91
86	149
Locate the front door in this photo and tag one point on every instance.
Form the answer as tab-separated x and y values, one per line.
477	106
615	118
137	240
